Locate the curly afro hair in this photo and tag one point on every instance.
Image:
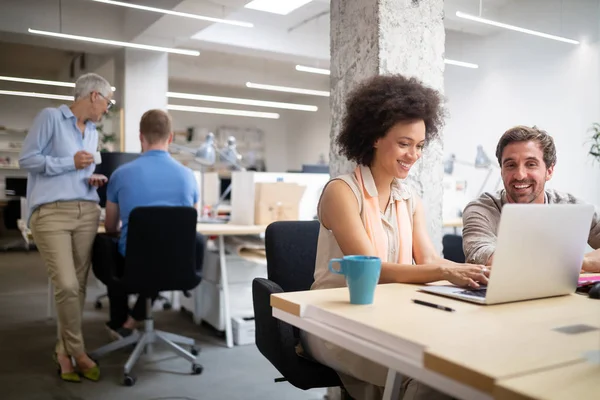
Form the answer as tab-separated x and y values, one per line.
378	104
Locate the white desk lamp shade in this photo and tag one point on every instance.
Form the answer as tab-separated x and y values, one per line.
230	154
206	154
481	159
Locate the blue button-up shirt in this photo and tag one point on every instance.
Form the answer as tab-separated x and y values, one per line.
47	155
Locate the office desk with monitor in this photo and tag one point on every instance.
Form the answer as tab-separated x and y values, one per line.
464	353
210	230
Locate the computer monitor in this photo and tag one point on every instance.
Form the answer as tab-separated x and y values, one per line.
110	162
315	168
15	186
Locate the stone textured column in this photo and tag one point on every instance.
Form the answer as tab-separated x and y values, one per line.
370	37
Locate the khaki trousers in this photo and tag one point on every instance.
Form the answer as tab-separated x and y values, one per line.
64	233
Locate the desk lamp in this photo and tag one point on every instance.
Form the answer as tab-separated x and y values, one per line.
206	155
482	161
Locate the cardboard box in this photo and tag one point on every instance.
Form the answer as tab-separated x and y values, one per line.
278	201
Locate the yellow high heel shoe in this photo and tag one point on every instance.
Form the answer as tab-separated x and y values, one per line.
93	374
66	376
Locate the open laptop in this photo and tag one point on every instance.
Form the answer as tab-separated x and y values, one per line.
539	253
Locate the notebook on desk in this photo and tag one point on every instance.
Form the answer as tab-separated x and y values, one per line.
539	254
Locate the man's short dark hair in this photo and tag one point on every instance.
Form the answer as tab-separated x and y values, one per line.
378	104
155	125
526	134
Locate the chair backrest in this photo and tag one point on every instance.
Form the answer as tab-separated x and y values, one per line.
162	250
453	248
291	248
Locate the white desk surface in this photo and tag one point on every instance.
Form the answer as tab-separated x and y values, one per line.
475	345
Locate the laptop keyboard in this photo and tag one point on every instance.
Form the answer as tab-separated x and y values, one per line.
475	292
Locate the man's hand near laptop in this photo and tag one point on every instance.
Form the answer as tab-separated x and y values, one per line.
591	262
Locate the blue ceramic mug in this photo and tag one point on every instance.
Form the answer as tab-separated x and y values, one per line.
362	275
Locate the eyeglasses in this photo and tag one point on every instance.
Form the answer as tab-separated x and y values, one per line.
108	102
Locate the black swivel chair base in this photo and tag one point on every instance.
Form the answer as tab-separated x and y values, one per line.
166	303
144	342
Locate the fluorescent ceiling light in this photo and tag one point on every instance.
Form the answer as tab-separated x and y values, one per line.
41	82
514	28
176	13
223	111
313	70
287	89
116	43
282	7
41	95
327	72
249	102
460	63
34	94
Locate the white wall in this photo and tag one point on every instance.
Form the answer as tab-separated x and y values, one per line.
308	133
528	80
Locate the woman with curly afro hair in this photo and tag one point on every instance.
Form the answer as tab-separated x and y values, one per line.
389	119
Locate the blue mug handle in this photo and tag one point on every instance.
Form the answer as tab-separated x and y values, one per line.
335	271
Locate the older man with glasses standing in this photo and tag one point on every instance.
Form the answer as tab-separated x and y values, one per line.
58	154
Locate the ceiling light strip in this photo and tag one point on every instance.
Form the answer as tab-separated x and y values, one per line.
249	102
282	7
40	95
115	42
304	68
513	28
461	63
41	82
287	89
223	111
176	13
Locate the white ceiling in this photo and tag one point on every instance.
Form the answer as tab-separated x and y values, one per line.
230	55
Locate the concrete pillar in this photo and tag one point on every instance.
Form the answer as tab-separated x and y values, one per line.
370	37
142	81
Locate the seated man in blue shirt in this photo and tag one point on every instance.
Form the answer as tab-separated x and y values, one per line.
153	179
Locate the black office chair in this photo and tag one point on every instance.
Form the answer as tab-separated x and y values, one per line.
162	254
452	248
291	248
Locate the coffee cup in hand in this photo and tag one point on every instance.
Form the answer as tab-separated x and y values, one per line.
97	158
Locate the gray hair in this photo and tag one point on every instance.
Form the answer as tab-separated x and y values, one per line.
89	83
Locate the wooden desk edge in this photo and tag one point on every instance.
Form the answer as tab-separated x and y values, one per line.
458	372
285	305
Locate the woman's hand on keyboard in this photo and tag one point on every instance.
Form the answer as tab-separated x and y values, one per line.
469	275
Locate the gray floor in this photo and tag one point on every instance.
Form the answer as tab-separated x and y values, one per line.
27	339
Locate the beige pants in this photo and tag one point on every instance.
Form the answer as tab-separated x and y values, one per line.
363	379
64	233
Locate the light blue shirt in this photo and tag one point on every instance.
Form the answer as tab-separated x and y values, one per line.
153	179
47	155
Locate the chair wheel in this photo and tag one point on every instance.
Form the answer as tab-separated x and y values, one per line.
128	380
197	369
98	305
194	351
167	306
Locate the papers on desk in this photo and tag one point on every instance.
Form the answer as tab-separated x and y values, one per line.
248	247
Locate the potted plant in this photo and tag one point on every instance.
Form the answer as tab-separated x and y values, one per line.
106	140
594	150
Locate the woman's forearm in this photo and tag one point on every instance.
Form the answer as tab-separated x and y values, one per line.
403	273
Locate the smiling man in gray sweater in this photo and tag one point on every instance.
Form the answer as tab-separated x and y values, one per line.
527	157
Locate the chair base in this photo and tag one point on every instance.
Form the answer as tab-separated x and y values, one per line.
144	343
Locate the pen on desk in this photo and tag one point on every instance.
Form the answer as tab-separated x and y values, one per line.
428	304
